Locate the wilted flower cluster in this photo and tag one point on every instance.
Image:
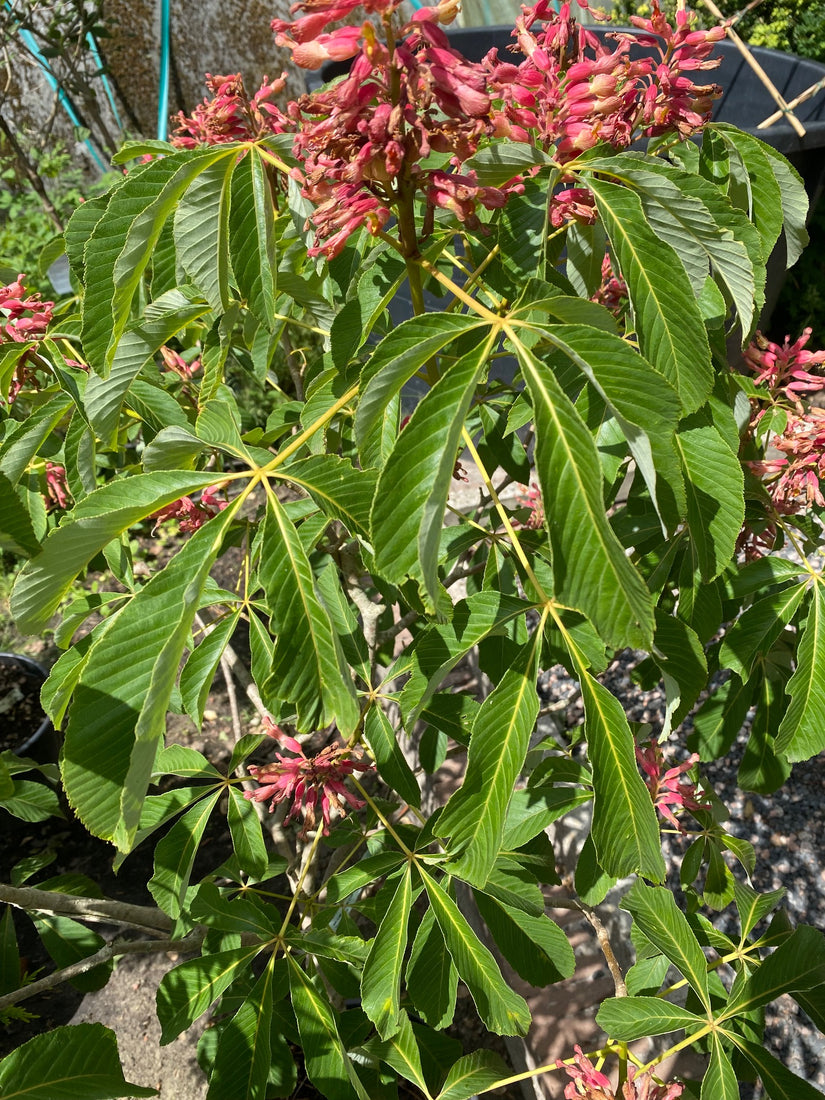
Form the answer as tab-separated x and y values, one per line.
793	476
589	1083
307	781
192	515
667	789
57	488
612	292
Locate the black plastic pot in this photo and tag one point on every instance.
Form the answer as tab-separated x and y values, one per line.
24	727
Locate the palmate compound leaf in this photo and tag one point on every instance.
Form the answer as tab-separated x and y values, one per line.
801	734
592	572
308	667
123	239
411	495
78	1062
93	523
502	1010
119	710
666	315
474	816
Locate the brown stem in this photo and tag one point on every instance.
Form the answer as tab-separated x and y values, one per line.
142	917
104	955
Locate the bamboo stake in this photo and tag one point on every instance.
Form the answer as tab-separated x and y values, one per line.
757	68
801	98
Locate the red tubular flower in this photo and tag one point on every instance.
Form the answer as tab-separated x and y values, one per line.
784	369
56	487
307	781
190	515
667	790
230	115
15	325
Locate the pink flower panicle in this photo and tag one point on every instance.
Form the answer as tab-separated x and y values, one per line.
785	369
190	515
531	498
667	790
22	317
793	477
230	115
307	781
588	1083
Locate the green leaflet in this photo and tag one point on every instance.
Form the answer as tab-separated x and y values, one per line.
389	757
654	911
201	228
175	856
78	1062
802	732
186	991
591	569
22	440
201	665
401	1053
119	711
308	668
431	977
441	647
777	1080
102	398
247	835
397	358
16	531
327	1064
472	1074
630	1018
474	815
669	324
625	830
93	522
252	237
757	628
245	1047
714	482
381	979
643	402
681	659
535	946
719	1082
412	490
502	1010
762	768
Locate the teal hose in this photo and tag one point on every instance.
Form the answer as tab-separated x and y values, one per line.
163	76
91	42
